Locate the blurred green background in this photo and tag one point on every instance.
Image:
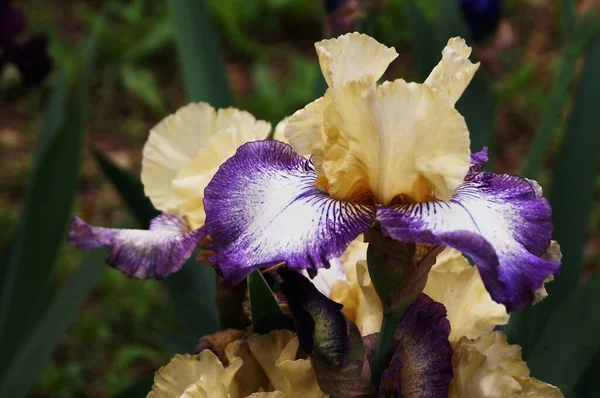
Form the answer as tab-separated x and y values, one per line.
119	66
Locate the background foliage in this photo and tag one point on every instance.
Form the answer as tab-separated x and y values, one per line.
70	326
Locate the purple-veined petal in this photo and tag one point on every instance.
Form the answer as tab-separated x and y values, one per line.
155	253
263	207
497	219
422	363
479	159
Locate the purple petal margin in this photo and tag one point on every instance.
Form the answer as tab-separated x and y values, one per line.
152	254
479	159
498	219
422	363
262	207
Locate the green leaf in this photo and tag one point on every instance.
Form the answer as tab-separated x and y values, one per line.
154	41
569	341
266	312
572	189
142	83
478	102
138	390
423	39
589	383
478	106
53	117
46	211
567	17
553	110
173	342
451	23
128	186
193	291
200	53
27	365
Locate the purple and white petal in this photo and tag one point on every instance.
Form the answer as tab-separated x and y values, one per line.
155	253
422	363
263	207
479	159
497	219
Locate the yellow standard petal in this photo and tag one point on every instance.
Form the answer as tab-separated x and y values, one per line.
489	367
276	352
398	142
352	56
343	59
470	309
304	129
194	376
185	150
455	71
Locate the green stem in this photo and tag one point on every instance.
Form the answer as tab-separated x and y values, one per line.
383	348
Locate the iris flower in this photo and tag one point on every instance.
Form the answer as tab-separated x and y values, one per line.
482	16
394	156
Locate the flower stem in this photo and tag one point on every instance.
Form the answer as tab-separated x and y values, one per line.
383	348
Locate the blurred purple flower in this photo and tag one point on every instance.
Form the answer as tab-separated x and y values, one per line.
31	56
12	22
332	5
342	16
482	17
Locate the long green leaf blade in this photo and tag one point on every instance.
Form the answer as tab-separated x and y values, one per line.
569	341
193	291
128	186
478	106
567	17
266	312
46	210
575	171
27	365
451	22
553	110
200	53
137	390
422	37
